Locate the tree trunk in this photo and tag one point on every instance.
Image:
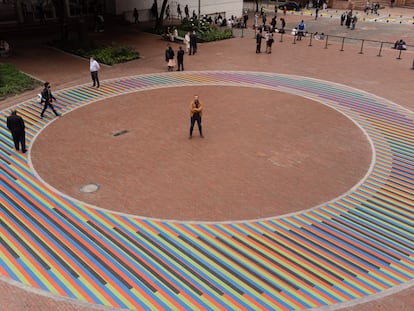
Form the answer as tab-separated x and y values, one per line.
61	15
160	19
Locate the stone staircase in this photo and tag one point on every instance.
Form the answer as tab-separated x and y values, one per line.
360	4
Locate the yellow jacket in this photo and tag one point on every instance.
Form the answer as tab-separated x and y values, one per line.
193	108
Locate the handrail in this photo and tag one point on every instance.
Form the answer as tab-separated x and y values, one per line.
342	40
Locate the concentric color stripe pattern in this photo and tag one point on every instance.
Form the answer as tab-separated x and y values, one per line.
357	245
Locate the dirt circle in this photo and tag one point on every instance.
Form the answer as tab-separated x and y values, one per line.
265	153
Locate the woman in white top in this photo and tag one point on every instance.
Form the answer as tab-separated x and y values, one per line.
187	42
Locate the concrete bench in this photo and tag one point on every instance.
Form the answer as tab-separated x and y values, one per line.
173	39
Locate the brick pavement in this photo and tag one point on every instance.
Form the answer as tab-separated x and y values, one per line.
384	76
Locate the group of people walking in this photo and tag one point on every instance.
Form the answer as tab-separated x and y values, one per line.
15	123
349	19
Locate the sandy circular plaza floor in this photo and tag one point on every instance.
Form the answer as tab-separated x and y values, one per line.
266	153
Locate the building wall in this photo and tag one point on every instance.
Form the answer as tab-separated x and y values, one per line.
230	7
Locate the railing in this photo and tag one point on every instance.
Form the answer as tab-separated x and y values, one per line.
328	40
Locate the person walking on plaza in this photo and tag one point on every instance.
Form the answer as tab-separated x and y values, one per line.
167	12
348	19
256	20
354	21
47	99
186	12
135	15
94	68
343	17
179	13
301	30
282	20
180	59
196	111
16	126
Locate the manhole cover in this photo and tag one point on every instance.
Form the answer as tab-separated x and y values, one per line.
89	188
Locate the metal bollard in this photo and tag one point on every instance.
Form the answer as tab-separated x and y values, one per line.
362	46
326	42
310	39
294	39
281	37
342	47
379	53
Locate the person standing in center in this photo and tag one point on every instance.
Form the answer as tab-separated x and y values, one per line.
16	126
196	111
47	98
94	68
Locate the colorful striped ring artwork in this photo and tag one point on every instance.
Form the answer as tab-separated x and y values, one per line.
357	246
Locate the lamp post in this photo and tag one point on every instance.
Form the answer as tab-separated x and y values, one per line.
199	5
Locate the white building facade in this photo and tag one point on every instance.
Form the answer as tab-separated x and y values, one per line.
226	8
29	11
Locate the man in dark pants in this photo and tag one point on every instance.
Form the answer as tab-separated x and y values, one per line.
16	126
180	59
94	68
259	38
47	98
193	43
196	110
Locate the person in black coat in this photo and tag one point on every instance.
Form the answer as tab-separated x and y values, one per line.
16	126
180	59
193	43
348	19
47	99
169	58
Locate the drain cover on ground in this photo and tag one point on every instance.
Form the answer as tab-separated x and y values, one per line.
89	188
120	133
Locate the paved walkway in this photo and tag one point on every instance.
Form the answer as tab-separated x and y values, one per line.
384	76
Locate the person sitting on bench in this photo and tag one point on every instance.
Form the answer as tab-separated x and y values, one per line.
4	47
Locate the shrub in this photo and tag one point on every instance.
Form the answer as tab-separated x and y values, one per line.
205	31
104	54
13	82
217	35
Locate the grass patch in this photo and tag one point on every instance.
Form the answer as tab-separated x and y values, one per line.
13	82
108	55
